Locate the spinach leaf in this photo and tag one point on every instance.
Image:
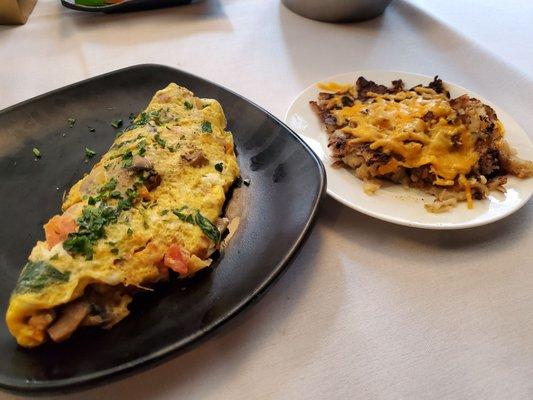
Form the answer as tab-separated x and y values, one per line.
207	227
36	276
178	212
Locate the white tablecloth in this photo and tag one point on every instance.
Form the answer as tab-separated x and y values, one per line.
368	310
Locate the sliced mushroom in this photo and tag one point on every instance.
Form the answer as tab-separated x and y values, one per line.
141	163
69	319
195	158
222	224
42	319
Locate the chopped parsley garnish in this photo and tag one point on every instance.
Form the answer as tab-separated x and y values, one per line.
127	159
131	193
36	276
116	123
142	147
89	153
91	225
131	117
124	142
115	194
129	231
108	186
91	129
206	127
188	105
160	141
71	122
164	212
36	152
114	250
219	167
144	118
207	227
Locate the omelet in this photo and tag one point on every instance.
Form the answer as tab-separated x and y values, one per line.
151	205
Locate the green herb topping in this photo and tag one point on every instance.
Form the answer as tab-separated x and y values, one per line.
71	122
116	123
36	276
160	141
188	105
36	152
108	186
89	153
144	118
207	227
127	159
95	218
141	146
219	167
182	216
206	127
92	225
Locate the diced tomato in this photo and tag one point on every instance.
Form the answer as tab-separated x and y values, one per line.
176	259
58	228
144	193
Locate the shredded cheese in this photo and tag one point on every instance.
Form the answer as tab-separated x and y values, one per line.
468	190
335	87
394	123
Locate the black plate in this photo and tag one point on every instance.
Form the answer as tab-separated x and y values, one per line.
277	210
126	5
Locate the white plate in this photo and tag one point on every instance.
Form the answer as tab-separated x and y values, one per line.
394	203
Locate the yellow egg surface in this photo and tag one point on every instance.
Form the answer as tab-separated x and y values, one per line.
153	203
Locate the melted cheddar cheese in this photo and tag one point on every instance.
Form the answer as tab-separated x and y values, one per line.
335	86
394	124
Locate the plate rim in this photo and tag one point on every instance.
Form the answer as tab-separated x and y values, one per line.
123	370
398	220
123	6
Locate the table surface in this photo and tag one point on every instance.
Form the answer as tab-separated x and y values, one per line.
368	309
